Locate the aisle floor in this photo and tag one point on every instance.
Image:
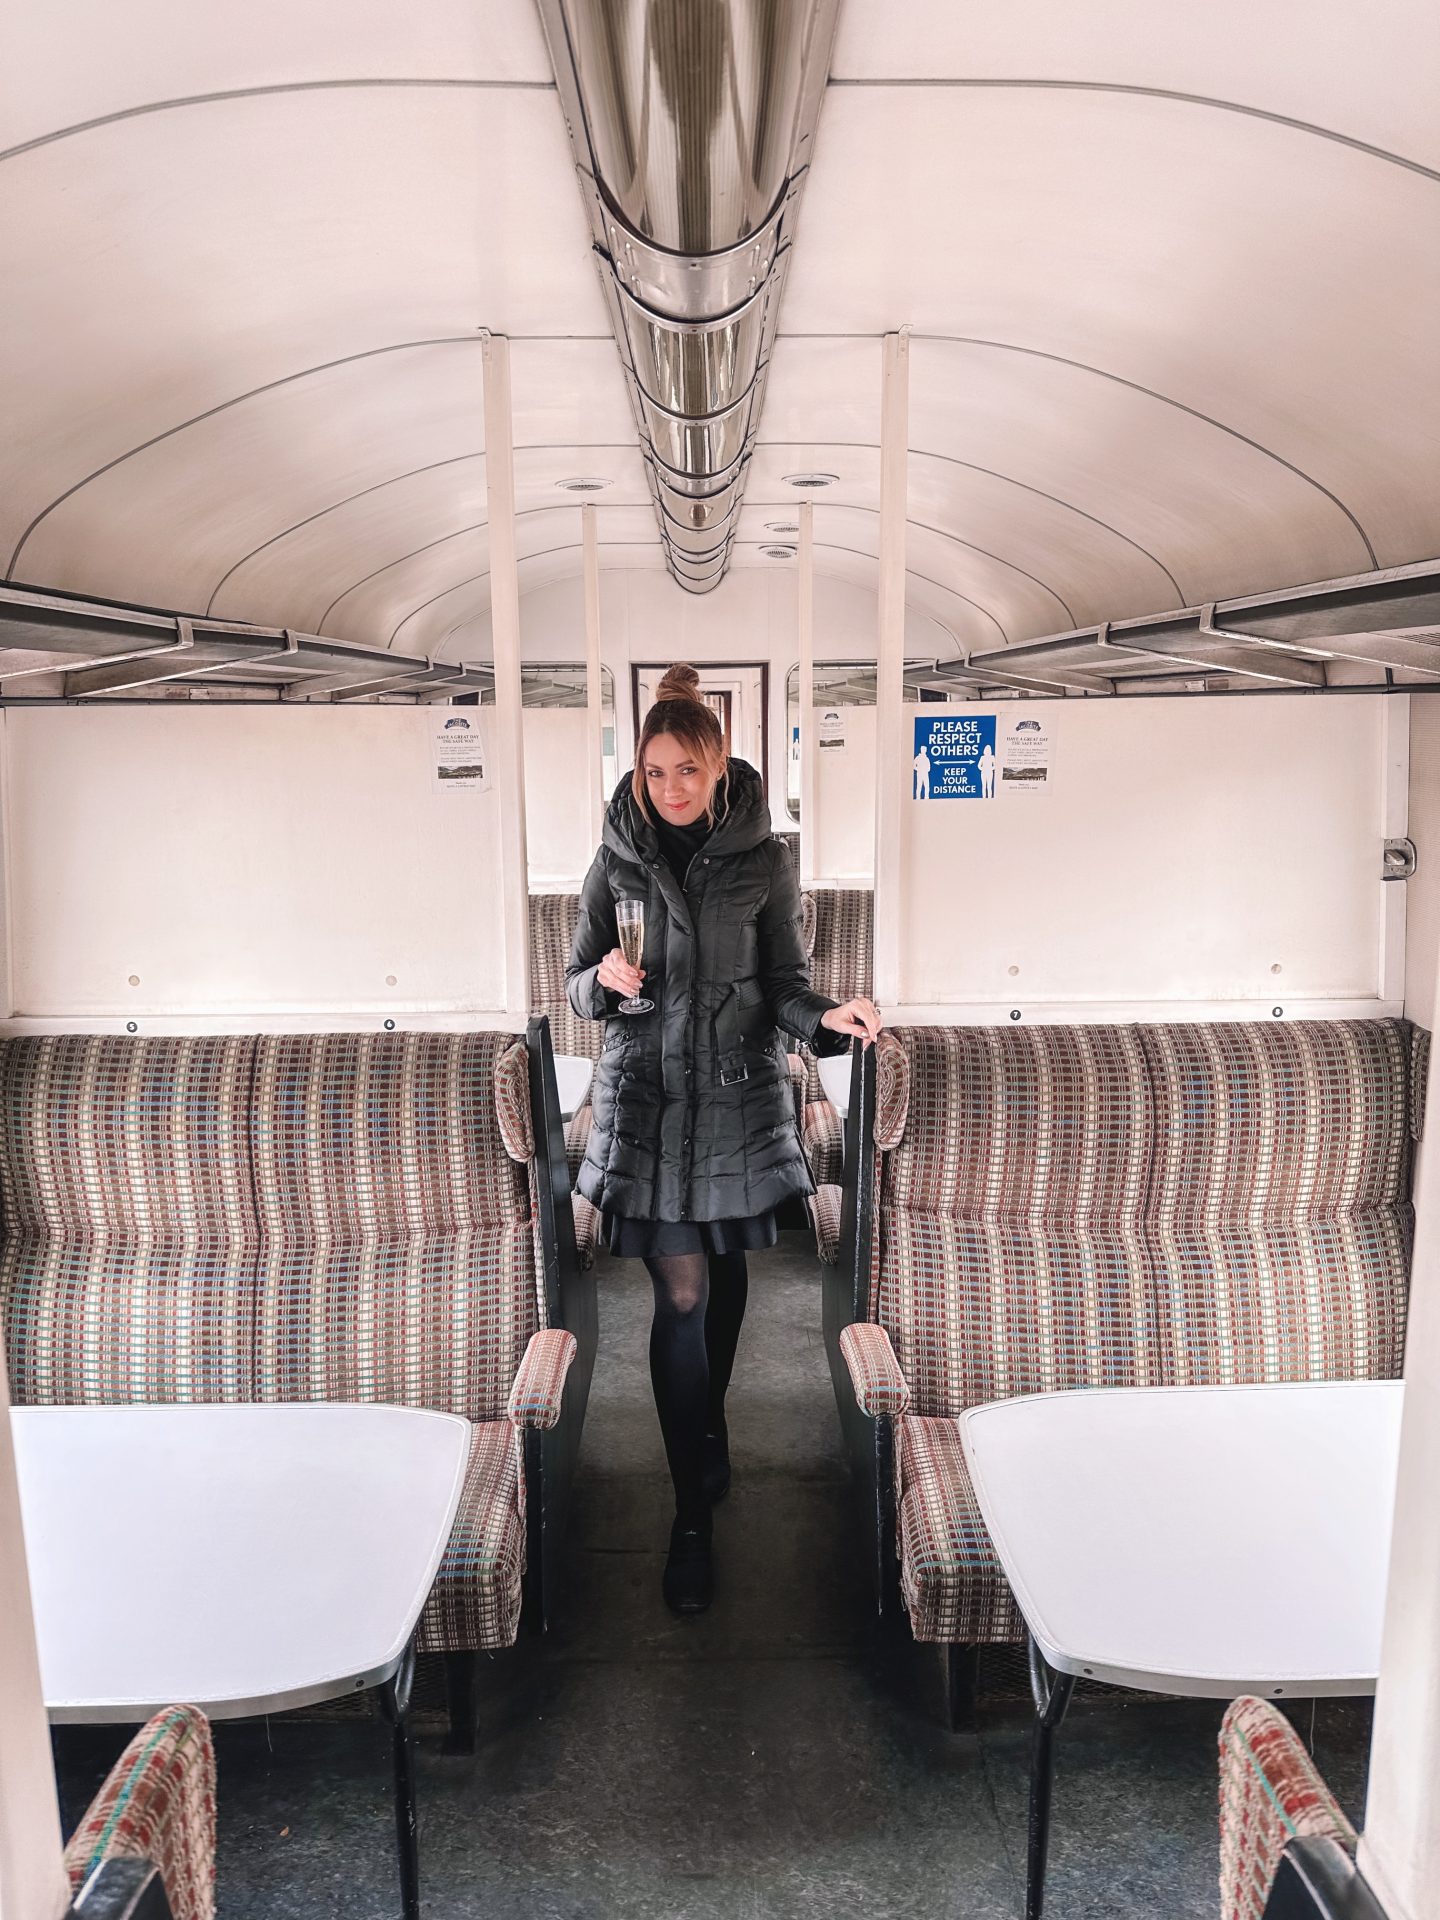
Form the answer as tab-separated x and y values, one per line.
784	1755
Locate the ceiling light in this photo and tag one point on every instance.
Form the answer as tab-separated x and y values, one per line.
782	526
584	483
811	479
778	553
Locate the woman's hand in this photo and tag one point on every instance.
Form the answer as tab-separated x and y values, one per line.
616	972
859	1018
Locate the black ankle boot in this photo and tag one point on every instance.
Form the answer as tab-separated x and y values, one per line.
715	1467
688	1582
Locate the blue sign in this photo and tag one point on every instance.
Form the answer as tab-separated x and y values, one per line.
954	757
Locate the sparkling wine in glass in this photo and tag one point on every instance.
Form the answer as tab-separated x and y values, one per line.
630	922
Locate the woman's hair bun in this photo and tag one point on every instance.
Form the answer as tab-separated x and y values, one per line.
682	682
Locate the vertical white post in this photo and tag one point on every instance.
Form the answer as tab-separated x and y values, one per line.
33	1885
594	705
1400	1848
505	635
891	759
809	820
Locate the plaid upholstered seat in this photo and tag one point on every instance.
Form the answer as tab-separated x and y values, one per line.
552	929
130	1232
1270	1794
1061	1207
157	1804
841	965
294	1217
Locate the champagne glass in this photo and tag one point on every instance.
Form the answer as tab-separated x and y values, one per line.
630	922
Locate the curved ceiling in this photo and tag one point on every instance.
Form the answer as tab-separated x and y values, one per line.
1173	280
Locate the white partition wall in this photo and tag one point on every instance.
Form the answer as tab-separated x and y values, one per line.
1211	856
231	866
559	819
843	829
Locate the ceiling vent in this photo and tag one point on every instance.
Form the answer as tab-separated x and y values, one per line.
693	123
811	480
778	553
582	484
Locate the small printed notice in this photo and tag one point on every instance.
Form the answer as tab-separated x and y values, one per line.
458	754
954	757
1024	749
830	733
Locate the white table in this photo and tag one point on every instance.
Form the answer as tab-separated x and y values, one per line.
573	1073
241	1559
1209	1541
835	1079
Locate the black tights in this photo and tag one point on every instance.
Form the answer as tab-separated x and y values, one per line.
699	1305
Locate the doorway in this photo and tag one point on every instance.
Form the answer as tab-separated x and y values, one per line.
739	697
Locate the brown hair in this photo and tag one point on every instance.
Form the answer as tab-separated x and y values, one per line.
680	712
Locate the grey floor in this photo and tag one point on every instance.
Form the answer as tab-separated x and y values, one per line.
784	1755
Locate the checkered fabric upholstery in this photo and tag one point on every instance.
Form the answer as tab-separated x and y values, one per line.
130	1229
1117	1206
397	1253
823	1138
826	1206
157	1804
553	917
1270	1794
587	1228
1278	1207
577	1138
950	1575
475	1601
841	966
312	1217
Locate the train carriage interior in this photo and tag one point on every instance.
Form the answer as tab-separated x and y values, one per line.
1025	419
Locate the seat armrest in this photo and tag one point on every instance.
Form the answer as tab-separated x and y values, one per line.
875	1374
540	1383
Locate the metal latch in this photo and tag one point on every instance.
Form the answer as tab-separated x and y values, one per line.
1399	862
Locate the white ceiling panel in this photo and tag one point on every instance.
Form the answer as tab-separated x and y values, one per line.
66	67
155	277
307	576
1279	284
1367	72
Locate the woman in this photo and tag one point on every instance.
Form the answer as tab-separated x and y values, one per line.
693	1142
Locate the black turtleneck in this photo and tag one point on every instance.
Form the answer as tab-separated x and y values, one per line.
679	845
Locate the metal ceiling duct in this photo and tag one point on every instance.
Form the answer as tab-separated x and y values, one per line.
692	123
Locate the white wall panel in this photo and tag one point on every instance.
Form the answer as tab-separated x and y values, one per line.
243	862
845	804
1422	893
1185	852
557	811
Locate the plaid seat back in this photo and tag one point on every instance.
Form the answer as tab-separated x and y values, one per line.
1008	1253
397	1251
130	1239
1279	1214
553	918
842	964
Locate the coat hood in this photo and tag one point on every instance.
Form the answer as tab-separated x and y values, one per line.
743	817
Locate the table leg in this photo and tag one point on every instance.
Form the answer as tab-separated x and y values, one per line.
1052	1692
395	1705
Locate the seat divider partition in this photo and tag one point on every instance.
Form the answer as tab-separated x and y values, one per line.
570	1302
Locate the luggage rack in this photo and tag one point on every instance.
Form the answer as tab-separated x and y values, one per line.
1352	635
59	646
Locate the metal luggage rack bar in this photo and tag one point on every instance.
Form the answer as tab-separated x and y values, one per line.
61	646
1299	640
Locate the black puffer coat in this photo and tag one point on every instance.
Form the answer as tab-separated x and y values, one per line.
694	1117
